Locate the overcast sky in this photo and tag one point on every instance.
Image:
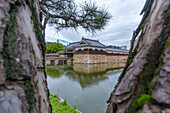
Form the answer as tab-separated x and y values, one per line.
117	32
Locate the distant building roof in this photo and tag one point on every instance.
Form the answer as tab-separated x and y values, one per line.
114	47
96	43
62	51
111	49
85	42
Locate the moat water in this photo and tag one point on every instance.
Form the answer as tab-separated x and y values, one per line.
88	86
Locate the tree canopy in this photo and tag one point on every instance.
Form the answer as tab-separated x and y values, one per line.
63	14
54	47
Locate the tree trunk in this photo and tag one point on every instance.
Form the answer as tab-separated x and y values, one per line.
144	85
23	85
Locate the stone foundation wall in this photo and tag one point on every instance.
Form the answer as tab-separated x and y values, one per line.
118	60
87	58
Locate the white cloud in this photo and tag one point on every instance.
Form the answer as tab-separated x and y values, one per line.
118	31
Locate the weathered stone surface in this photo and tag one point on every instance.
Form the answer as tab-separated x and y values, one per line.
162	91
91	58
151	109
12	99
3	18
28	92
87	58
124	92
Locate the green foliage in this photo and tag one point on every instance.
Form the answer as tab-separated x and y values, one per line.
130	61
72	59
54	47
143	99
66	14
74	106
138	111
65	102
139	102
59	107
56	96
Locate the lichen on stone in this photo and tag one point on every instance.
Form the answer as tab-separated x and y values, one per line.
152	67
10	54
37	27
29	93
9	51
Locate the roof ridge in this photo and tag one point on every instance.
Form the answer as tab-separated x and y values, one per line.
102	44
86	42
75	42
90	39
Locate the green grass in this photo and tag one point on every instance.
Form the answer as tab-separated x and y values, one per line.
61	107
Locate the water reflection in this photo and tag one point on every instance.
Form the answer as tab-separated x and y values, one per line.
88	86
53	72
86	75
95	68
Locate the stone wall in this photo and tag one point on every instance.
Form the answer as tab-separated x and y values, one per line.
117	59
91	58
88	58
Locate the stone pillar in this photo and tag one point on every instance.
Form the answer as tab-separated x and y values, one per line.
47	62
56	62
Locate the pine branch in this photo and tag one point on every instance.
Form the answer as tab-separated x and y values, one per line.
64	14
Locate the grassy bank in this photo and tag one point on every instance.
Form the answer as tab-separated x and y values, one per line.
61	106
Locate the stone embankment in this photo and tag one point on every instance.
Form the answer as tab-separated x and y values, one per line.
92	59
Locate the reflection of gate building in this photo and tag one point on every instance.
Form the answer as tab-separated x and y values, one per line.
95	68
86	74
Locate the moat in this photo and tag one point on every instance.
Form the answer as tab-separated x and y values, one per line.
88	86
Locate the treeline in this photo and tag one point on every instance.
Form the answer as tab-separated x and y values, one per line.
54	47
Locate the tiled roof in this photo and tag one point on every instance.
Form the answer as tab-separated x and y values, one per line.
96	43
72	45
62	51
115	47
110	49
86	42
